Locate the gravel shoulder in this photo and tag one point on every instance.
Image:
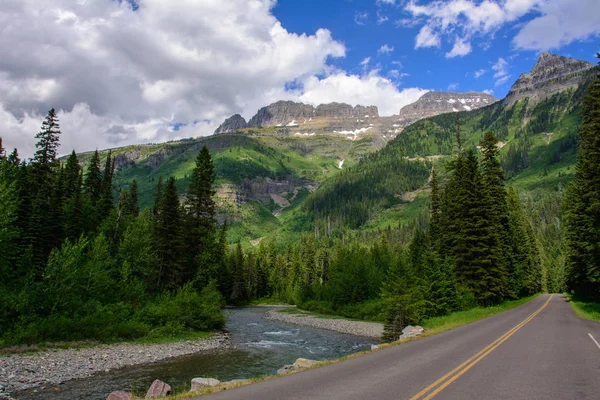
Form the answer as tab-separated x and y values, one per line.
53	367
358	328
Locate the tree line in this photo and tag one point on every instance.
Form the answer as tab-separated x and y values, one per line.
77	263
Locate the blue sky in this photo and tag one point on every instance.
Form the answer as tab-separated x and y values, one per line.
364	26
165	70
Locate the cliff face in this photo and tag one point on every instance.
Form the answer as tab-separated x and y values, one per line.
288	113
232	124
435	103
551	74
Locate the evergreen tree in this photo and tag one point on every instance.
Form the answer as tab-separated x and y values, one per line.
496	213
435	209
168	238
106	201
200	216
74	225
72	171
582	205
47	146
93	179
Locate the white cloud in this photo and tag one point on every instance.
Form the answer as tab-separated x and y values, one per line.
119	76
365	62
556	22
388	2
366	90
561	23
479	73
381	18
489	91
460	49
501	74
453	87
361	18
385	49
427	38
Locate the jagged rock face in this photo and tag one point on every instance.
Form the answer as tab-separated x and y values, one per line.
281	113
341	110
435	103
289	113
232	124
550	74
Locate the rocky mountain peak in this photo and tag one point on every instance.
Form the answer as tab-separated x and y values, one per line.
232	124
550	74
435	103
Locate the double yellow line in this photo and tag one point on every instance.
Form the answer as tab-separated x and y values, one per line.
457	372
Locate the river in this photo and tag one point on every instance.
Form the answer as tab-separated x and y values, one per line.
260	347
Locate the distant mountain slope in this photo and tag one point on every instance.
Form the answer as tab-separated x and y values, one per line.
538	137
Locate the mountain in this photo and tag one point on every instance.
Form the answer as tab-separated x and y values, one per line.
538	140
280	172
436	103
551	74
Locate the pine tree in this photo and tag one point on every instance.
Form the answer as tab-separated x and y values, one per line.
72	172
200	217
435	209
496	213
168	237
582	204
93	179
47	145
106	201
73	216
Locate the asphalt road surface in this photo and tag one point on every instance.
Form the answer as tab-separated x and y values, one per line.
540	350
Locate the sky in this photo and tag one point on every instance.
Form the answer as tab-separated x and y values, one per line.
122	72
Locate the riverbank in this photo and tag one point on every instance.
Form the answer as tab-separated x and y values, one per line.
19	372
359	328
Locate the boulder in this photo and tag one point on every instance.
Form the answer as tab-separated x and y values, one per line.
304	363
120	396
199	383
412	330
285	369
374	347
158	389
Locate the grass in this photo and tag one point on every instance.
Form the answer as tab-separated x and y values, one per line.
454	320
585	309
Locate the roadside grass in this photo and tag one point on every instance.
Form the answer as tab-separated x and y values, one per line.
444	323
584	308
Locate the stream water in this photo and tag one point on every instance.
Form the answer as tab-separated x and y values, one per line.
260	347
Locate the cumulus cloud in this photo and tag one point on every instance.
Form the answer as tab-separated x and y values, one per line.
120	76
501	74
385	49
561	23
555	22
368	89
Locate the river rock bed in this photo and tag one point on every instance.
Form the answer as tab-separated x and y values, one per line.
19	372
358	328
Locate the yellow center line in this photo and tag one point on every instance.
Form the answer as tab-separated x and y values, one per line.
451	376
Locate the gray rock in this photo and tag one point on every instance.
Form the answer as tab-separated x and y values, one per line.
286	369
436	103
120	396
299	364
199	383
158	389
551	74
232	124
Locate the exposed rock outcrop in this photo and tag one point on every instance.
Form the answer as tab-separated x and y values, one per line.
120	396
232	124
199	383
551	74
158	389
298	365
435	103
281	113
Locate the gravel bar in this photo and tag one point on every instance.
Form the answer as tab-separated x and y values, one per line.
358	328
25	371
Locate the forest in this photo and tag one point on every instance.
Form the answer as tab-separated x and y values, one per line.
81	260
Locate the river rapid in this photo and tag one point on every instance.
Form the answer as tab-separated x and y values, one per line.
260	347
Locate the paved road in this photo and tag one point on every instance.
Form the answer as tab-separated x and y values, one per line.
540	350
